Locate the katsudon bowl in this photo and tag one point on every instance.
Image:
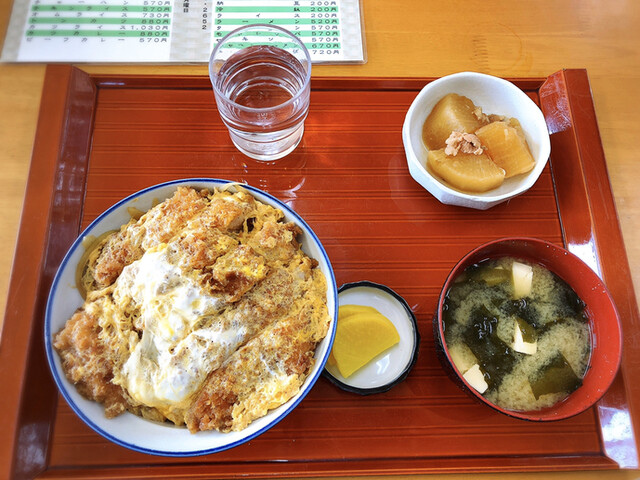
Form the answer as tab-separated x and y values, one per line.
147	436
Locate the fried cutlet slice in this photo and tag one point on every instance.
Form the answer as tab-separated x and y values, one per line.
86	364
263	374
187	209
156	226
276	241
236	272
225	211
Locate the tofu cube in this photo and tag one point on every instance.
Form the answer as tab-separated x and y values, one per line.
522	275
462	357
520	345
475	377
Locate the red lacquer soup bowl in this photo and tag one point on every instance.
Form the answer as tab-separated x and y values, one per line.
604	323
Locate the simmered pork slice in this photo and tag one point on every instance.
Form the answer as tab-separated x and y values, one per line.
463	142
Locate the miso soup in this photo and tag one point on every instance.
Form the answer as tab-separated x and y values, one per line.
517	332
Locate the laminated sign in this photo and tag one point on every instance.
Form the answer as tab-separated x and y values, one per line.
173	31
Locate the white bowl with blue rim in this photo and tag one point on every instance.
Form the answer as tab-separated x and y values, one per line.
129	430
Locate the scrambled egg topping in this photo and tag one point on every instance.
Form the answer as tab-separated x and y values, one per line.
204	311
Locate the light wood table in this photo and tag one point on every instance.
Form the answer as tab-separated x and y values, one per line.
422	38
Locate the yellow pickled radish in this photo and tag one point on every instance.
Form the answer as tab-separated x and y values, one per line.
343	312
331	360
361	335
348	310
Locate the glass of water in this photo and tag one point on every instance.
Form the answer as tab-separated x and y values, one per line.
260	76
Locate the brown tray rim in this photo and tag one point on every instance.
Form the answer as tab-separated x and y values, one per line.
22	343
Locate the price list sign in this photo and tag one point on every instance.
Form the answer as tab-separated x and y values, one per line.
317	22
133	28
173	30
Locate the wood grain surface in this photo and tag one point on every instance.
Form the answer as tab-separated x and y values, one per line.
421	38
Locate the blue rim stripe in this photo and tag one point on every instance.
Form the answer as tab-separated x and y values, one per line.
54	286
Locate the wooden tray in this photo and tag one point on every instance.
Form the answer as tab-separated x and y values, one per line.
100	138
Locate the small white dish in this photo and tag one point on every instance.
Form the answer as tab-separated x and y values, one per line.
393	365
495	96
134	432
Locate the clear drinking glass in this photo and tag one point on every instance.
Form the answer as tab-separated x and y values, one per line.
260	76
